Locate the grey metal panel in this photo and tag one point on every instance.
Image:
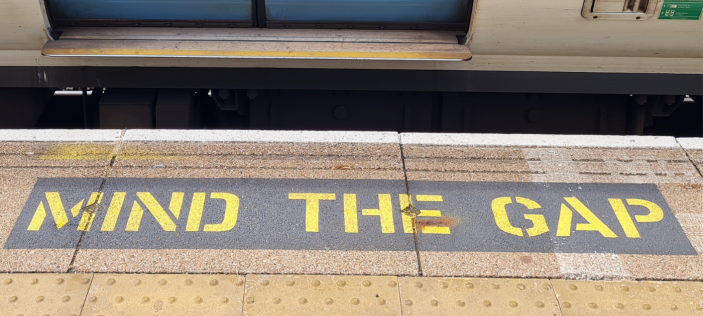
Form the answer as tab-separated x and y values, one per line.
256	50
352	79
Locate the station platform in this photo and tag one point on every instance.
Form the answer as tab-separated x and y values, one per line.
171	222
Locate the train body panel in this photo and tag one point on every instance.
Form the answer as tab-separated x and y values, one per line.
22	26
557	28
505	35
498	27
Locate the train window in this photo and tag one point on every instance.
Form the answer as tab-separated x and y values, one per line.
226	13
403	14
357	14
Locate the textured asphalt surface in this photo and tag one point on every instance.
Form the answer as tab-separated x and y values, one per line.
267	218
470	204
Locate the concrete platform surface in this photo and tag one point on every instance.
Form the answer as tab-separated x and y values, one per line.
573	193
376	204
28	158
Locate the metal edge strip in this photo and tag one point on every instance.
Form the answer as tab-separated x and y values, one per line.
47	21
52	52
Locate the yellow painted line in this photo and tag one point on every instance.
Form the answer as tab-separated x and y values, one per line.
77	152
101	152
252	54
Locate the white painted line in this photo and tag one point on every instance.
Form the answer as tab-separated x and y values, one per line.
261	136
528	140
691	143
58	135
72	93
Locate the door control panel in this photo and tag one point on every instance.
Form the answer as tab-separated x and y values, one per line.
619	9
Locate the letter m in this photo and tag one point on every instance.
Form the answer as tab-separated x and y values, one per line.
58	212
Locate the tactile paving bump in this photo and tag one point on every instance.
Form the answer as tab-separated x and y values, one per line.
457	296
321	295
164	294
43	294
629	297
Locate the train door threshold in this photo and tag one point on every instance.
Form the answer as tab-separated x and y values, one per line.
258	43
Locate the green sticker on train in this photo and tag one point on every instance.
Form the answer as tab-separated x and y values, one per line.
681	10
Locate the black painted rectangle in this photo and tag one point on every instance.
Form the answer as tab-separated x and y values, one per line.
268	218
470	204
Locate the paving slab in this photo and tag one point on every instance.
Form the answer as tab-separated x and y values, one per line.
43	293
321	295
164	294
260	154
694	149
629	298
30	211
460	296
253	202
580	207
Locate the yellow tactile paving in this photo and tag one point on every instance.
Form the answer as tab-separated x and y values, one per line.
459	296
164	294
321	295
43	294
215	294
629	297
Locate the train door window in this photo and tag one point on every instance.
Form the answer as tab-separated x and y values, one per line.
196	13
371	14
338	14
